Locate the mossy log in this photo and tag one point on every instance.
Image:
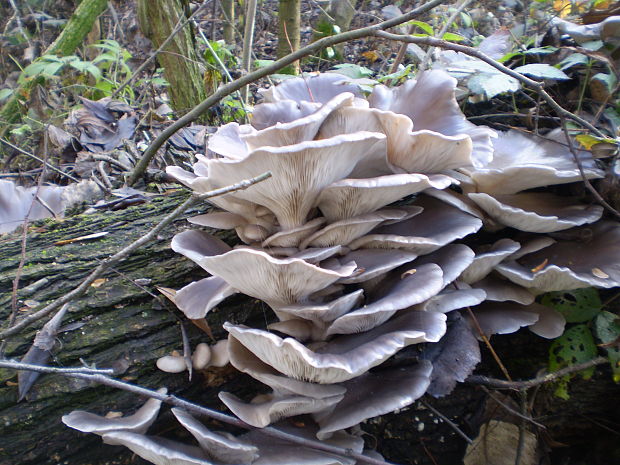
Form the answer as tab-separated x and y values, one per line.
120	323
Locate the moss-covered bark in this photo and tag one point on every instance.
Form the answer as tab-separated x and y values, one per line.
289	17
158	18
73	34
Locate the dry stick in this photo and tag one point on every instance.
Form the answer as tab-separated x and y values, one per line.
46	163
522	385
511	410
488	344
180	25
117	257
193	408
449	422
586	181
62	371
537	86
229	88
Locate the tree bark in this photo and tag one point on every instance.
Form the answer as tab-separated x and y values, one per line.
228	11
289	20
78	26
339	13
182	70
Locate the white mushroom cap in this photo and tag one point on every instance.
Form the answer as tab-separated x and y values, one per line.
227	140
172	363
159	451
267	114
523	162
201	356
502	290
299	172
292	237
484	262
319	88
196	299
536	211
503	317
222	448
410	290
430	103
375	262
449	300
264	413
219	354
139	422
327	311
344	357
351	197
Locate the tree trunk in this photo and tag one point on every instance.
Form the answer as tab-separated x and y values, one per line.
73	34
182	70
228	11
119	323
289	18
339	13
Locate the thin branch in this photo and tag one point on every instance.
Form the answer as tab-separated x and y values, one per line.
229	88
537	86
62	371
125	252
196	409
449	422
522	385
46	163
599	198
486	341
511	410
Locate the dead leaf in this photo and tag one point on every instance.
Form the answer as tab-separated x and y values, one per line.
540	267
497	444
371	56
599	273
98	282
88	237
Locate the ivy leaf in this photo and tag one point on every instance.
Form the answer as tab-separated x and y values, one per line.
575	346
452	37
577	306
492	84
607	328
542	71
572	60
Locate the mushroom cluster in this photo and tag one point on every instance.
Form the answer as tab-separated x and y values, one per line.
363	242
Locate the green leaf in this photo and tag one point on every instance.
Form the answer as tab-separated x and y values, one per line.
5	93
509	55
541	70
607	329
577	306
398	75
452	37
353	71
491	85
587	141
329	53
423	26
541	50
575	346
87	67
572	60
466	19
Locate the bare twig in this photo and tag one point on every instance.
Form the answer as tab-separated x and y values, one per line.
46	163
229	88
196	409
449	422
508	408
486	341
125	252
61	371
248	39
584	178
522	385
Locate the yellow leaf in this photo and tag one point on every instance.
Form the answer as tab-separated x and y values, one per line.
371	56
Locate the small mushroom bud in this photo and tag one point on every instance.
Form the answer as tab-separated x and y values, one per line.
171	364
219	354
201	356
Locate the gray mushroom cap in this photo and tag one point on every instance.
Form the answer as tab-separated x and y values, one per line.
319	88
485	261
573	264
374	394
199	297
